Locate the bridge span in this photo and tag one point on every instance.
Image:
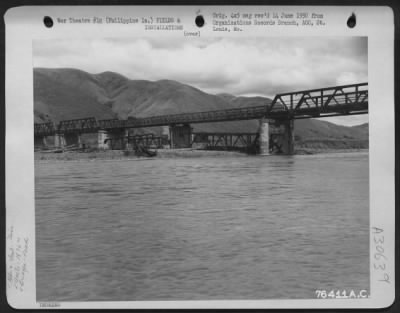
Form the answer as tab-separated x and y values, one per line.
275	130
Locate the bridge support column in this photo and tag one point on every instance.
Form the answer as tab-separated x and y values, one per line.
102	142
180	136
263	139
59	140
282	137
166	137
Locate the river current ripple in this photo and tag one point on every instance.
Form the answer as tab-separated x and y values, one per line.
202	228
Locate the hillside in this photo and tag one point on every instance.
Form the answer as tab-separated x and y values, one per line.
69	94
61	94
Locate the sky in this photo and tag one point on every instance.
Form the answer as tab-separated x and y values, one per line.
261	66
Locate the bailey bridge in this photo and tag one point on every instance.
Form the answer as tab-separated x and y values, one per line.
275	133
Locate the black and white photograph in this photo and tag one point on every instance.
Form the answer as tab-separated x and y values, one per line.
201	169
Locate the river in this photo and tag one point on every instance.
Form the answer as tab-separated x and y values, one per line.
202	228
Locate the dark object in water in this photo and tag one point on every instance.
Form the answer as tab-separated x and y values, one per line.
143	151
51	151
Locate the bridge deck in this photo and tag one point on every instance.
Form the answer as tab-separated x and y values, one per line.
339	100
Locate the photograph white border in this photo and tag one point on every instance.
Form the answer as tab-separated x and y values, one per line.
25	24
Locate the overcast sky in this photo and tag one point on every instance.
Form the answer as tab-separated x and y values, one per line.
239	66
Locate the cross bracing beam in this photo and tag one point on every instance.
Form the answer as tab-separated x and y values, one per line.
316	102
225	139
147	140
323	102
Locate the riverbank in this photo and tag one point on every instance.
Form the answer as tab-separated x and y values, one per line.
305	151
164	153
130	155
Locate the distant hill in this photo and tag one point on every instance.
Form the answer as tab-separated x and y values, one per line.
361	130
69	94
240	102
61	94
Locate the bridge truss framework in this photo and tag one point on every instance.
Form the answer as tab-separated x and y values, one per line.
312	103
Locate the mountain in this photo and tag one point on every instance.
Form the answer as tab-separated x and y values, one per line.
61	94
69	94
362	130
242	102
312	129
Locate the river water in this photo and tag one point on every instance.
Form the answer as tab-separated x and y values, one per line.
202	228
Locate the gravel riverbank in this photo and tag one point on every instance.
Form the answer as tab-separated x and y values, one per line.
162	153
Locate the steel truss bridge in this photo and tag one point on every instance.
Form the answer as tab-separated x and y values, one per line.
323	102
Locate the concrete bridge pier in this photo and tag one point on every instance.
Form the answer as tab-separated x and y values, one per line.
180	136
263	138
102	140
59	140
166	135
282	137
